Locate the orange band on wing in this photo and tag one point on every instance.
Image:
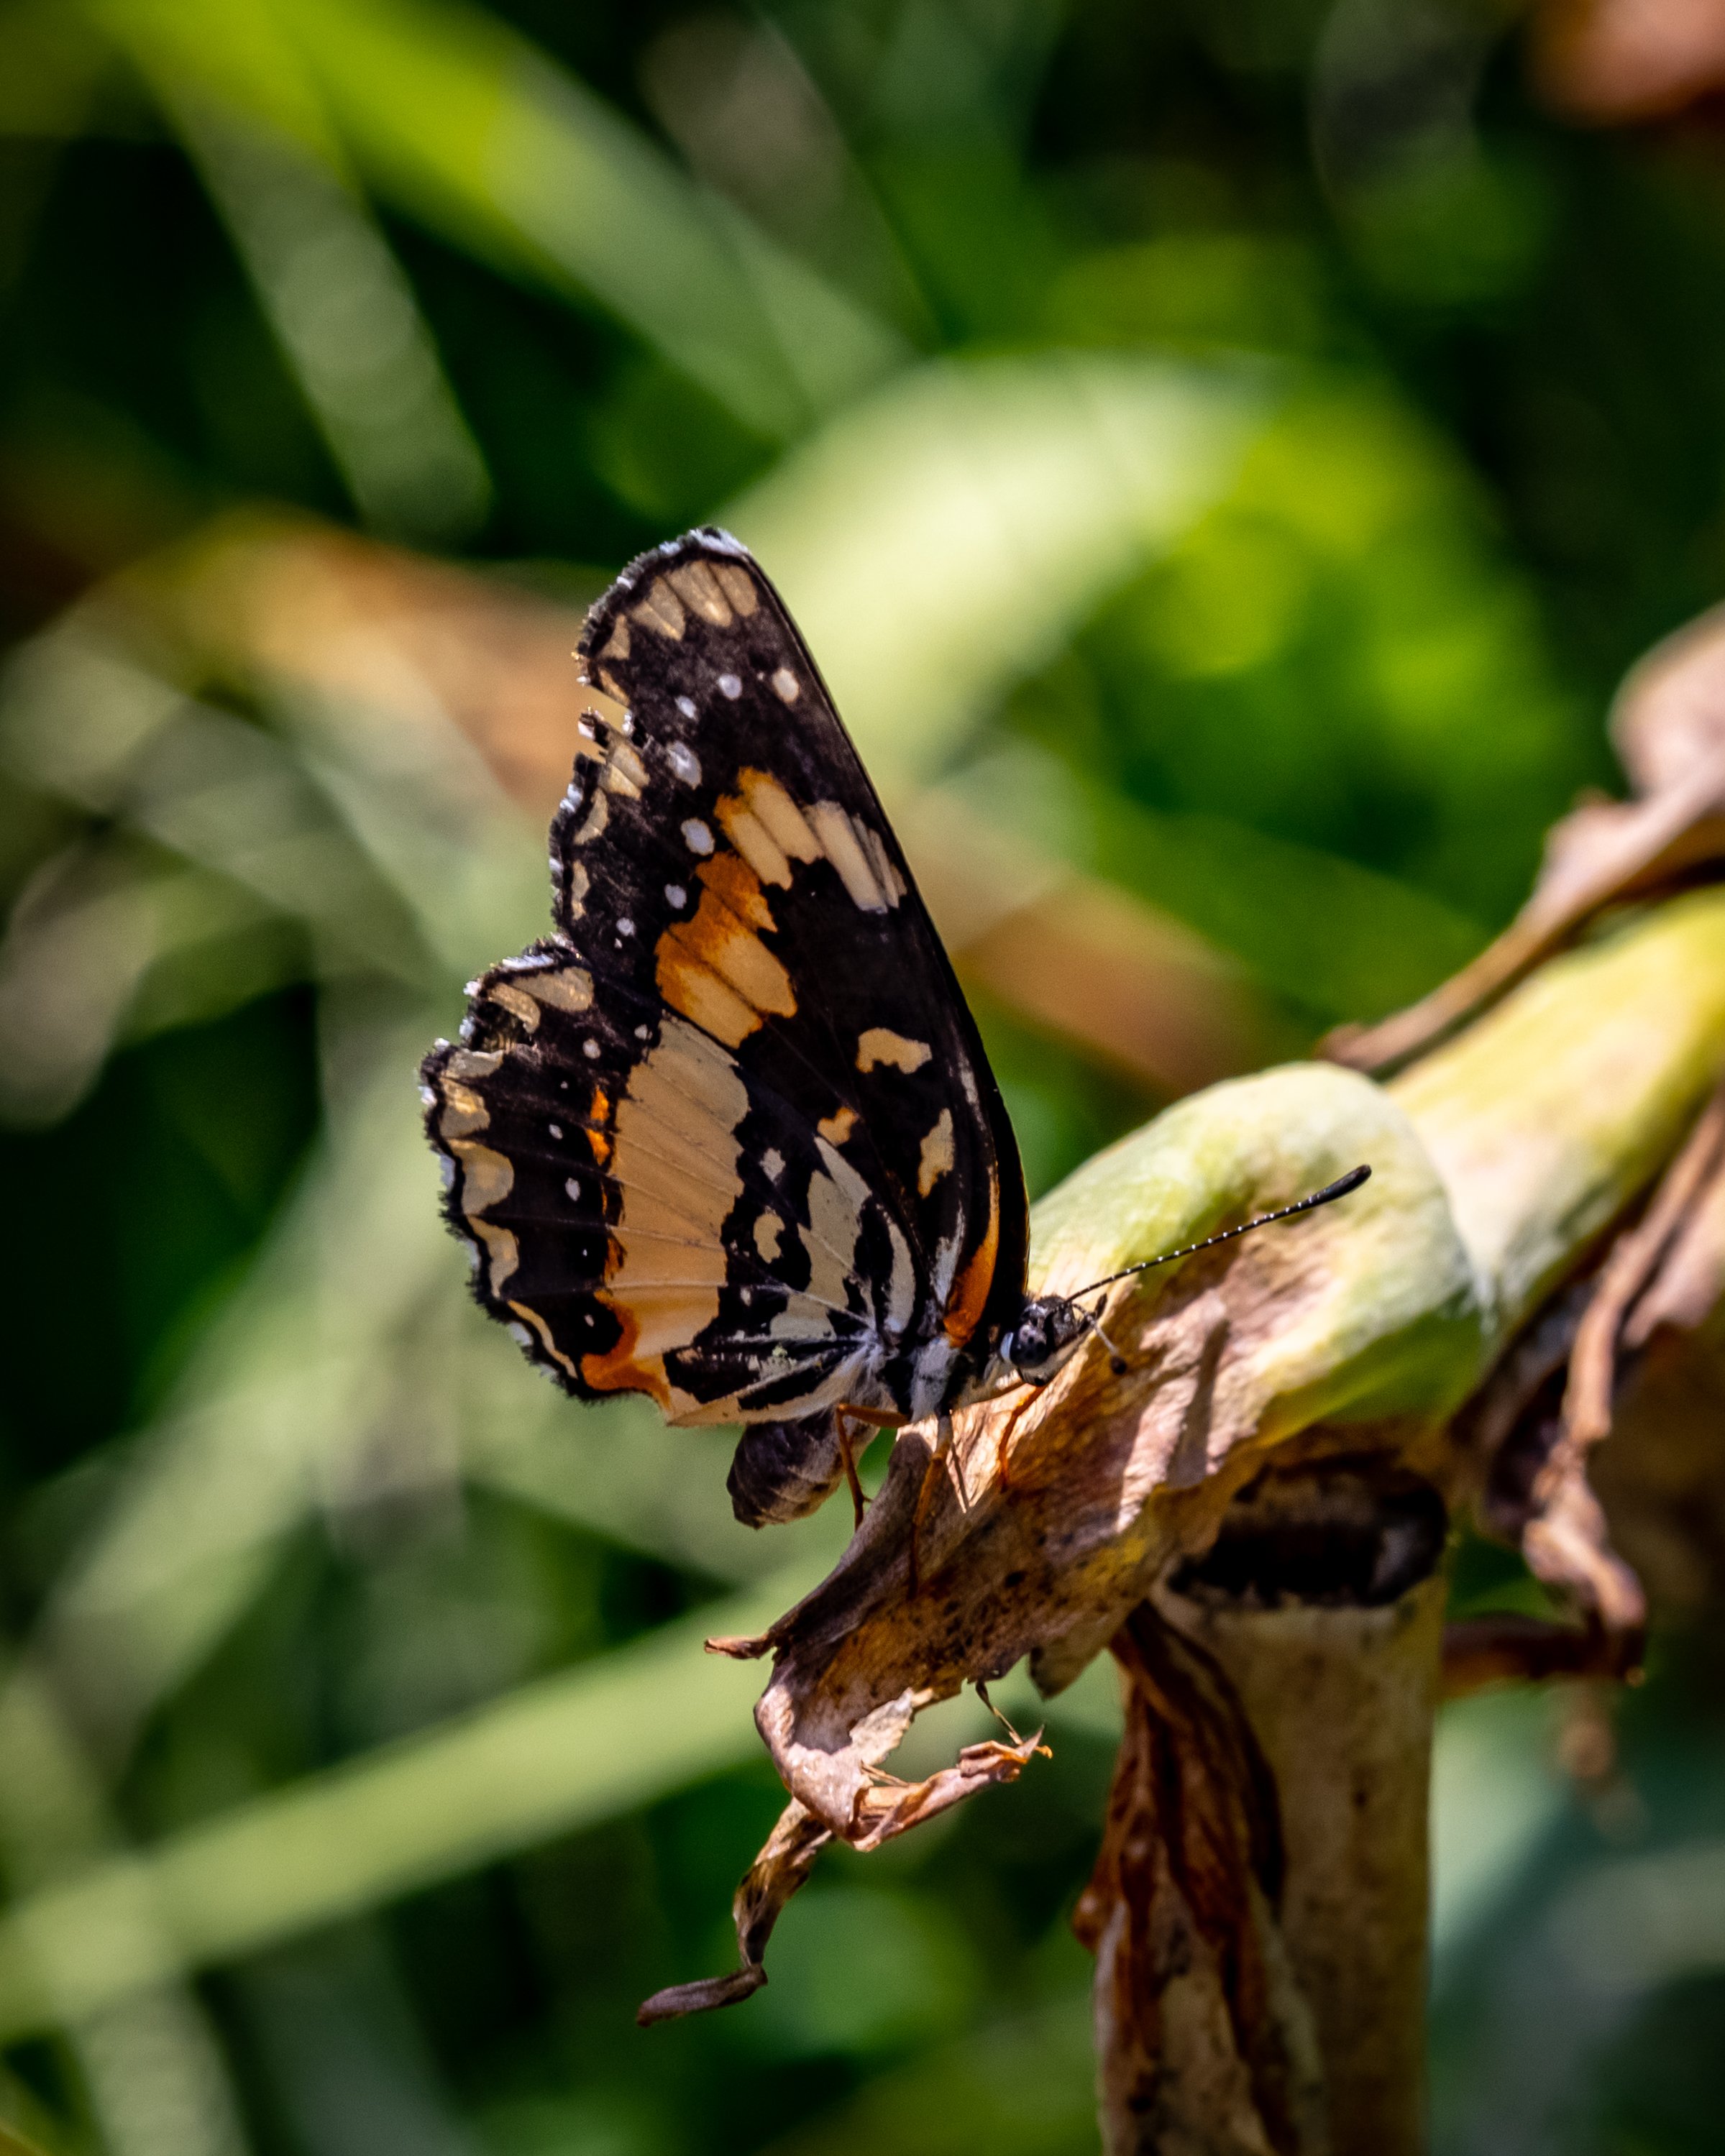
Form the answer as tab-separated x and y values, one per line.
616	1371
714	969
970	1291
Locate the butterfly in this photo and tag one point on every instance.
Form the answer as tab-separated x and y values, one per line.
727	1136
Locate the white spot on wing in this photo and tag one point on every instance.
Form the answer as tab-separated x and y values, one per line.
556	1129
686	707
945	1263
901	1284
590	1049
697	837
729	687
676	893
683	760
787	685
773	1164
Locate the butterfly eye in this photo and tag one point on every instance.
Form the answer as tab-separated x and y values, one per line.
1031	1345
1047	1327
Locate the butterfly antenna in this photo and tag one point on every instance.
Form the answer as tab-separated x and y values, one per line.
1327	1196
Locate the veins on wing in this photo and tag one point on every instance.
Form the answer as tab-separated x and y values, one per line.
756	1190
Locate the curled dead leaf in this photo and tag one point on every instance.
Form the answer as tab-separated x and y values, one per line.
776	1874
1669	726
1554	1398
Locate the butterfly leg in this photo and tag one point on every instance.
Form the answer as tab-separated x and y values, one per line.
930	1477
981	1693
858	1503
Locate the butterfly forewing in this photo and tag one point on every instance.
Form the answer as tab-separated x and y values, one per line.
728	1136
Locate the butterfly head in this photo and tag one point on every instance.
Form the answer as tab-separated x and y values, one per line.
1049	1327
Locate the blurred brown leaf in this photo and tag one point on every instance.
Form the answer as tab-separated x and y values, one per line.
1612	62
1669	726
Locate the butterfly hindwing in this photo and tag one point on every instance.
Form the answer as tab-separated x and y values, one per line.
728	1136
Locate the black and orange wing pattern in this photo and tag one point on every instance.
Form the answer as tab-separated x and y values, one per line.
728	1136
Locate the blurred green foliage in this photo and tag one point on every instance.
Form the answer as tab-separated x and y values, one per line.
1230	450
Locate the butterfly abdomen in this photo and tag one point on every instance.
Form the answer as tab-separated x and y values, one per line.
784	1471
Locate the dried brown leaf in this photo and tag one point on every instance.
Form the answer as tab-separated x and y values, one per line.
1503	1647
1662	1273
1661	1479
783	1865
1611	63
1637	1259
1201	2036
1669	723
